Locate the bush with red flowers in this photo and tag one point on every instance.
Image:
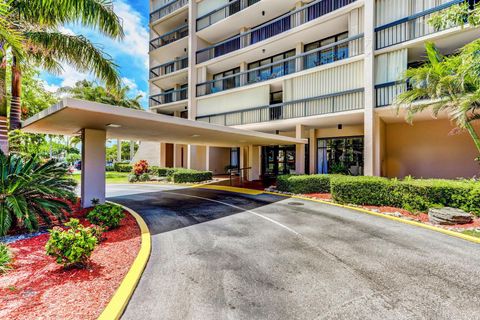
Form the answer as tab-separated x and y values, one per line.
140	167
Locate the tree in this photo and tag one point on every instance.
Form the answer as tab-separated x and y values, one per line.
38	22
450	84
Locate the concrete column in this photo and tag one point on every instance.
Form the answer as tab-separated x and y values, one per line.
197	157
176	155
163	155
299	62
313	151
207	158
119	150
255	162
370	124
192	60
300	150
93	166
243	162
132	149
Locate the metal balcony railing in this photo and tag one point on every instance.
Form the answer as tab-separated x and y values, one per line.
223	12
169	37
166	9
326	104
169	67
340	50
270	29
409	28
386	93
168	97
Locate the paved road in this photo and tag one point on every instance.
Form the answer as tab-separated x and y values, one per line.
219	255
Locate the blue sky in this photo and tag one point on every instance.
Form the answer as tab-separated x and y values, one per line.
131	54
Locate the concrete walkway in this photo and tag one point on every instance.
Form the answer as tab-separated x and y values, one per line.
218	255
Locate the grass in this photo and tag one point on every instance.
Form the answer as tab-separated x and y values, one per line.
112	177
5	258
472	233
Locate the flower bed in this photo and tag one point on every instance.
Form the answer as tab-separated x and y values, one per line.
37	287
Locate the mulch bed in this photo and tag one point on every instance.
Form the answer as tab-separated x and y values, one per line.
38	288
420	217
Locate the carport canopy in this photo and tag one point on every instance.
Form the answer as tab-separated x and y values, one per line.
97	122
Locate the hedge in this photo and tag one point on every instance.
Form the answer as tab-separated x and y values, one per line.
122	167
188	176
163	172
319	183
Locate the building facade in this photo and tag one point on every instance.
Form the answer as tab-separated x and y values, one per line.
324	70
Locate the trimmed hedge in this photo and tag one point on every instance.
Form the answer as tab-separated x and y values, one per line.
319	183
122	167
410	194
188	176
163	172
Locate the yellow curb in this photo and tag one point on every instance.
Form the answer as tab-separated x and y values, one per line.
120	299
229	189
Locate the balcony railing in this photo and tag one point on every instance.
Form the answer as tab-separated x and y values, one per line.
168	97
340	50
386	93
270	29
169	67
169	37
326	104
409	28
223	12
166	9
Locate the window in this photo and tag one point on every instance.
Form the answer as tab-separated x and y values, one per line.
226	84
279	69
329	55
341	155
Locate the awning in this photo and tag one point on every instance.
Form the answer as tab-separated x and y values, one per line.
70	116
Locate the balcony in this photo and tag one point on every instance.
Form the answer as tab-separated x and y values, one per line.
270	29
168	68
169	37
326	104
167	9
168	97
337	51
386	93
409	28
223	12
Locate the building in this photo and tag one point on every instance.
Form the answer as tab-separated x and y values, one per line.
324	70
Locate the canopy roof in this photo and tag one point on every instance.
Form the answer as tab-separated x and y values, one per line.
70	116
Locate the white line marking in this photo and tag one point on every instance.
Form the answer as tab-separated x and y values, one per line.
240	208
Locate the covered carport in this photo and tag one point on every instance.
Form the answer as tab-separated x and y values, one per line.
97	122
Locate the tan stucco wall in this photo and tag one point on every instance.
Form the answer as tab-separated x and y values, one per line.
219	159
429	150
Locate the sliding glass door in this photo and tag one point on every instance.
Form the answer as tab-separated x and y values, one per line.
341	155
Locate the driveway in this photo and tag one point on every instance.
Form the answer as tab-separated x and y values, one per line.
219	255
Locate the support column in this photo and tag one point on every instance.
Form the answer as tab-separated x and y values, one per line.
197	157
192	60
313	152
132	149
93	166
207	158
163	155
300	150
255	162
119	150
243	163
299	63
370	124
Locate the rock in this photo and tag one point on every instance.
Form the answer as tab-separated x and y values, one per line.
449	216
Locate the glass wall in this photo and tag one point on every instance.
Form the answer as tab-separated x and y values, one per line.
341	155
278	160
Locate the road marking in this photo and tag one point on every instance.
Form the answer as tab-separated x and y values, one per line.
243	209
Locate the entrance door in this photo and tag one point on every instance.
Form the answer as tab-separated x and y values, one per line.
341	155
278	160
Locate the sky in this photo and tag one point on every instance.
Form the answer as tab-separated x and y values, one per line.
131	54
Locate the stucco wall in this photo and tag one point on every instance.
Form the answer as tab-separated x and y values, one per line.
219	159
428	149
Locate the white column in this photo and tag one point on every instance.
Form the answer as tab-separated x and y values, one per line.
370	124
93	166
132	149
254	161
192	60
197	157
243	163
300	150
119	150
163	155
207	158
313	151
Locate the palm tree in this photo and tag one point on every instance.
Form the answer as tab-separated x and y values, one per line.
446	84
38	22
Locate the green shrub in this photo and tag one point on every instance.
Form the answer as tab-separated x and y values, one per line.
72	247
362	190
106	215
163	172
109	168
123	167
304	184
5	258
190	176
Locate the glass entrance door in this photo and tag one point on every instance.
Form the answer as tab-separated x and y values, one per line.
341	155
278	160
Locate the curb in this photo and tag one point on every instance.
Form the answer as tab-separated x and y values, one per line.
365	211
121	297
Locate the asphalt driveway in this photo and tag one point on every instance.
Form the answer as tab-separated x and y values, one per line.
219	255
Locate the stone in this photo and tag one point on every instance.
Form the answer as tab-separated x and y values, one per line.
449	216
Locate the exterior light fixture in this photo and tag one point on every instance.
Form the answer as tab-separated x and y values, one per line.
195	135
340	126
113	125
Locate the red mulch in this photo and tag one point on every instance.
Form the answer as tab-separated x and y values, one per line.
38	288
420	217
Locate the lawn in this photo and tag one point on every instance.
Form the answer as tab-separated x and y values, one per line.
112	177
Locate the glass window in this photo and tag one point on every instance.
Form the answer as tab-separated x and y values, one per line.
341	155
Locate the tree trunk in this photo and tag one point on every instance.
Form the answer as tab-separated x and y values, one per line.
16	104
475	138
3	103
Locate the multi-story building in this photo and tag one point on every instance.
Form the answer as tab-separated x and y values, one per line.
324	70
